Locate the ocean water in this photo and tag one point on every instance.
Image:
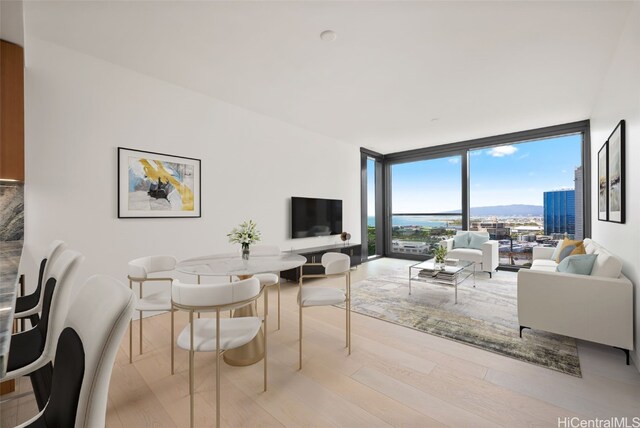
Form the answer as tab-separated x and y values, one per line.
417	221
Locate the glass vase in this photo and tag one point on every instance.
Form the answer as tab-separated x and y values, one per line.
245	252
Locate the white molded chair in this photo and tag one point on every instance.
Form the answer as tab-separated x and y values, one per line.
86	351
216	334
32	351
139	271
30	306
268	279
335	265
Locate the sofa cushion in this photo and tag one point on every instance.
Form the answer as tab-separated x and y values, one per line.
461	240
542	266
469	254
580	264
477	239
606	265
544	262
570	248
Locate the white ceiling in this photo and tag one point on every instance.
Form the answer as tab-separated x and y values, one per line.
400	75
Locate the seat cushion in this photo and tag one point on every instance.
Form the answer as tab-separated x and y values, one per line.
25	348
157	301
234	332
267	279
321	296
468	254
543	266
544	262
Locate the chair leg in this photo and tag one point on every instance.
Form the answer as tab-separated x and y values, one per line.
131	341
349	309
140	332
300	341
218	368
278	303
191	371
266	306
172	336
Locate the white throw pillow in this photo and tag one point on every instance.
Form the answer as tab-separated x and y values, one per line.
606	265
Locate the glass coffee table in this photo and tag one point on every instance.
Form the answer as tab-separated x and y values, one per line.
452	273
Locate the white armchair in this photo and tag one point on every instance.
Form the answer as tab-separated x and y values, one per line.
486	258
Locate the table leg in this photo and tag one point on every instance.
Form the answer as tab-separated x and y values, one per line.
409	280
251	352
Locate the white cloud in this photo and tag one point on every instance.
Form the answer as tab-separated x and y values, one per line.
501	151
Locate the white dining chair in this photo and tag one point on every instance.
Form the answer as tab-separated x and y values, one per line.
335	265
85	354
268	279
31	351
139	271
30	306
216	334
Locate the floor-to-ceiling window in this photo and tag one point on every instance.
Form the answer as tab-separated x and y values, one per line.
372	205
426	204
524	194
526	189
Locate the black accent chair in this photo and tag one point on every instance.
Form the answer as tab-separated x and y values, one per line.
86	351
31	351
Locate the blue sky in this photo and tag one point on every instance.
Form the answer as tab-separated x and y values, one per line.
504	175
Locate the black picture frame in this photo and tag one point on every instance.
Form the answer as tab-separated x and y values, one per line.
603	179
170	197
616	180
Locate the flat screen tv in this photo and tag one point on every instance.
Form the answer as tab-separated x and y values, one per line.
315	217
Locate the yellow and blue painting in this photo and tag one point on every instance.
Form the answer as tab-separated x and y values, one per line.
156	185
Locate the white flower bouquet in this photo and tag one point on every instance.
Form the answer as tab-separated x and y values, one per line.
245	234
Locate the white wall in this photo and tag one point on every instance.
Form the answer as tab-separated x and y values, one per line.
619	99
79	109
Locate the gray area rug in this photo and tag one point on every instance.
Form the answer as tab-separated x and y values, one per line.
485	316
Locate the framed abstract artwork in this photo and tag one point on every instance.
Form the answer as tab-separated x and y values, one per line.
616	174
157	185
603	206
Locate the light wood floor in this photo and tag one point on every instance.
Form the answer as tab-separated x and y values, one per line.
395	377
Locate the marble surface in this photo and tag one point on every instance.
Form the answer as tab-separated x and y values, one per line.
11	212
10	253
233	264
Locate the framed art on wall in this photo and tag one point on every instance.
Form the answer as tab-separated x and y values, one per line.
603	206
616	174
157	185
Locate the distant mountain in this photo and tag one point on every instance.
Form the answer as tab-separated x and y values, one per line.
508	211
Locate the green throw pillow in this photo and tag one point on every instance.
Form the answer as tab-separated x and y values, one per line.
477	239
461	240
581	264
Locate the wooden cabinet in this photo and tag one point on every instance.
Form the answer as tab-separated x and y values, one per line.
314	255
11	112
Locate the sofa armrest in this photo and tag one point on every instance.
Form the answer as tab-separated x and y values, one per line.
490	256
447	243
543	253
587	307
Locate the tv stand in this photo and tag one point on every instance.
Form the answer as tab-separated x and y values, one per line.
314	255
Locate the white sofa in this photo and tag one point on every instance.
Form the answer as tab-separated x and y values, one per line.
596	307
487	258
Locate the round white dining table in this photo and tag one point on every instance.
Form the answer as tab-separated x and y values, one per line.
232	264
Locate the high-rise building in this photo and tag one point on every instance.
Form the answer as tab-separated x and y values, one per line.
579	203
560	212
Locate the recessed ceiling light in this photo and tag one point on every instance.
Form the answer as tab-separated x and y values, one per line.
328	35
